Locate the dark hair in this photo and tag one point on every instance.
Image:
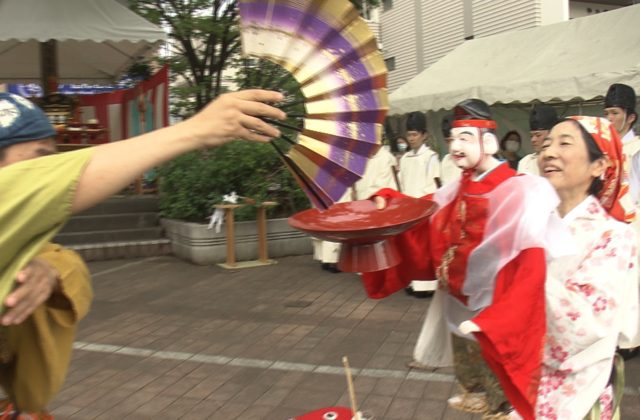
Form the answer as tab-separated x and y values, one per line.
635	114
594	154
506	136
446	127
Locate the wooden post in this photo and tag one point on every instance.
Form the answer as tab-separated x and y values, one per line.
230	232
262	234
263	256
231	237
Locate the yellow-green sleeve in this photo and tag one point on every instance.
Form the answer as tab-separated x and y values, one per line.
35	202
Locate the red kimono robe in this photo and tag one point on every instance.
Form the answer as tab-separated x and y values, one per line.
486	244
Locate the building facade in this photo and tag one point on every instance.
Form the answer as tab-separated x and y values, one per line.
416	33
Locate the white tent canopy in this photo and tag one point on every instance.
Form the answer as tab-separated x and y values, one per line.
577	59
97	39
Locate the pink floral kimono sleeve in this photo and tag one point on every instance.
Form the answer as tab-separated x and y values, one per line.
592	299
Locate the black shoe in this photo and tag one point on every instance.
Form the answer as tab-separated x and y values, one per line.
629	353
331	267
423	294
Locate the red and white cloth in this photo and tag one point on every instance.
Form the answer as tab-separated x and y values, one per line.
129	112
504	227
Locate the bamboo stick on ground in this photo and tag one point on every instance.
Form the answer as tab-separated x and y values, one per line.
352	393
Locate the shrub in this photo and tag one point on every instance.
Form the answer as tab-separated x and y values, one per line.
191	184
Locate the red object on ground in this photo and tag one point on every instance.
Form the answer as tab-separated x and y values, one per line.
363	229
329	413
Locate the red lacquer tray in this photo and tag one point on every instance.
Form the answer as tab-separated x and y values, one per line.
363	229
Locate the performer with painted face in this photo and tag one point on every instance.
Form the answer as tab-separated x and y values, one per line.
487	244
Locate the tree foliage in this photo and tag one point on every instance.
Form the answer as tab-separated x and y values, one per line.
193	183
204	39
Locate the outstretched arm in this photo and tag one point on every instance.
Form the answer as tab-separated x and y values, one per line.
235	115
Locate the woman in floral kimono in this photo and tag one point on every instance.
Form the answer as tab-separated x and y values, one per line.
592	294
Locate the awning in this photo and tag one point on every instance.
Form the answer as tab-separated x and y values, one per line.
577	59
97	39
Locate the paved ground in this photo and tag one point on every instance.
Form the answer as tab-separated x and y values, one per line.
166	339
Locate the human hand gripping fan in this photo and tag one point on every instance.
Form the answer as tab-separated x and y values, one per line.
333	55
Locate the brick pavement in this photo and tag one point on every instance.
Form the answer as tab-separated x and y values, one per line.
167	339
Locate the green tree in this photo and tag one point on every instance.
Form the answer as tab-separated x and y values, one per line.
204	40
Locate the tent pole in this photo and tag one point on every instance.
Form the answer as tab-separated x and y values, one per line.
49	66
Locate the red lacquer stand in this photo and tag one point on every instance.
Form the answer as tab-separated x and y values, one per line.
363	230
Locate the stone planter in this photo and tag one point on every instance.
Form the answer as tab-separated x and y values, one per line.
195	243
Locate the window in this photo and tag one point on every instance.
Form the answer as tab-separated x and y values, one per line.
387	5
390	63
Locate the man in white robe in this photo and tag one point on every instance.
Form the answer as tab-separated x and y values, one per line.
541	119
419	176
328	253
379	173
619	109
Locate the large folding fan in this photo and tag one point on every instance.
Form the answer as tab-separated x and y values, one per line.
333	55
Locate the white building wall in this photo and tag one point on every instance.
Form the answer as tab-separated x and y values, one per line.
398	33
444	24
492	17
553	11
442	27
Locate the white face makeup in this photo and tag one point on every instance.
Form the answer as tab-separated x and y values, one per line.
465	146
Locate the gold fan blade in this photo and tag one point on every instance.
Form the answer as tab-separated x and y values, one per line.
351	107
340	79
343	133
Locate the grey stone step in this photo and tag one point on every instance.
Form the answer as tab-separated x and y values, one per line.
114	235
125	204
128	249
119	221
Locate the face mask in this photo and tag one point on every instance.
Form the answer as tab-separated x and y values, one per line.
512	146
402	147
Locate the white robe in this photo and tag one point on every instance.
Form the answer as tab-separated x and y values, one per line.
449	170
434	347
592	301
325	251
631	149
379	173
529	165
418	170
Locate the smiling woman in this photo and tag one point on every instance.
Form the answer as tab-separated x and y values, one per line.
583	156
573	163
591	294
